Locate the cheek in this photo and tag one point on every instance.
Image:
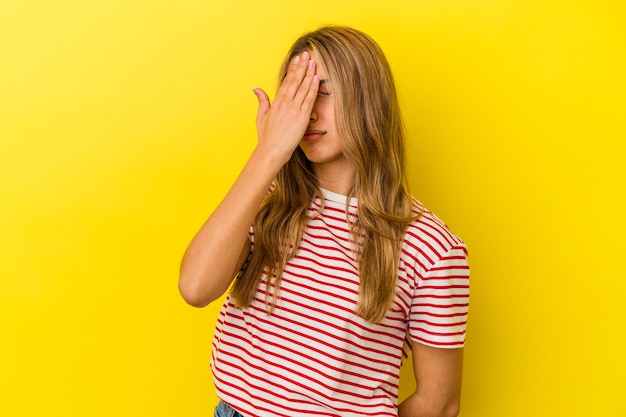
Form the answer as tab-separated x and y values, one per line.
327	109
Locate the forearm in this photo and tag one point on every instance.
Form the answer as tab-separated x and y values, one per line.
219	248
214	255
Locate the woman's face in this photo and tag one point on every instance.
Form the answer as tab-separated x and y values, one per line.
321	143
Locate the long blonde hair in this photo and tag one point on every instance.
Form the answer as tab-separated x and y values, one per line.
370	128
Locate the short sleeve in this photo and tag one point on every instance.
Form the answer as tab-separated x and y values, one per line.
439	307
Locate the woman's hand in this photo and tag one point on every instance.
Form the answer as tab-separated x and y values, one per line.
282	124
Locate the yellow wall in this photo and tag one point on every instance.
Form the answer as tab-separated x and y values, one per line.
122	123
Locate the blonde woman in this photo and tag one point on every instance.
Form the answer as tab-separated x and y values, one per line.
337	273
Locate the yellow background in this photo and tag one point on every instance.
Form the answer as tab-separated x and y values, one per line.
122	123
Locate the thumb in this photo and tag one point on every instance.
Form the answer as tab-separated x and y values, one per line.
264	102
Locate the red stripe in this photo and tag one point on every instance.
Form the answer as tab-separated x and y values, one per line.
446	306
350	285
444	287
422	330
448	315
430	323
350	261
435	343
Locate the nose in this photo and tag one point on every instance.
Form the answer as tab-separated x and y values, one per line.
313	115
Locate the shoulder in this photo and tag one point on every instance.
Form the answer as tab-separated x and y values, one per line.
428	239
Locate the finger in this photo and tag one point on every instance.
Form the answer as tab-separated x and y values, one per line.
264	103
311	95
307	83
295	75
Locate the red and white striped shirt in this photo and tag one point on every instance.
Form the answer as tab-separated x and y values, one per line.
314	356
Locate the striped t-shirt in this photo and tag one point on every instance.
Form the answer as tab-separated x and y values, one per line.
313	356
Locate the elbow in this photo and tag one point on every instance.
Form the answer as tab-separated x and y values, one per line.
200	288
452	410
448	410
194	301
192	293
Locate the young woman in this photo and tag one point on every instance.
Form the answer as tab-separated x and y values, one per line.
341	269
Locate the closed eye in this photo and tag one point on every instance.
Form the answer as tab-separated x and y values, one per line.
323	90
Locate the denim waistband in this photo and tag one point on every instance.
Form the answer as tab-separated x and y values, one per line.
225	410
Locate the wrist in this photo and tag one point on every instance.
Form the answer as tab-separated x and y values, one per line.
270	158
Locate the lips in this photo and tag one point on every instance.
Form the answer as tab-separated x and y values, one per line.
313	134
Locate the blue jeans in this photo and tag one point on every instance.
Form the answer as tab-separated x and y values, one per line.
225	410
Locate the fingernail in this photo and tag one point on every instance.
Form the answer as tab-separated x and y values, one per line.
311	63
305	55
296	60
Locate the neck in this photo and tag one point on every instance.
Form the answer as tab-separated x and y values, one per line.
336	178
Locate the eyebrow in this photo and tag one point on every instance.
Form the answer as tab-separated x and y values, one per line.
324	81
